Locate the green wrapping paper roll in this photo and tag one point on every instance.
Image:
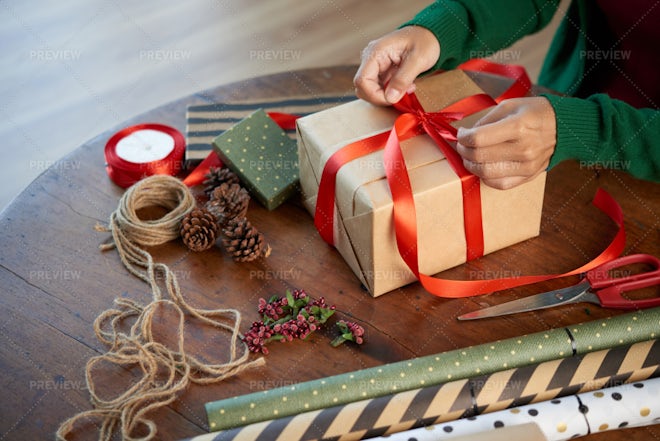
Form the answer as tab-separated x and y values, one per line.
459	399
432	370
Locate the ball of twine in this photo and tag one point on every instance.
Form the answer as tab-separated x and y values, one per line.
138	348
159	190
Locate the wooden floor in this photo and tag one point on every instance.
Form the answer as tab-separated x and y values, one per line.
75	68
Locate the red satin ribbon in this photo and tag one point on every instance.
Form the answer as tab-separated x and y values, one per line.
521	85
466	288
125	173
286	121
198	175
405	227
437	126
414	121
324	213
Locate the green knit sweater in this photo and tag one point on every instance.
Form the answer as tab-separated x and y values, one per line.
596	129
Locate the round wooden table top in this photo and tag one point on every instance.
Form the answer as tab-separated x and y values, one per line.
55	280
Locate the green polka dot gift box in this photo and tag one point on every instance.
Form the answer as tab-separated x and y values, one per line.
263	156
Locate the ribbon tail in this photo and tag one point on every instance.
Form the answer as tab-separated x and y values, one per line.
404	213
198	174
467	288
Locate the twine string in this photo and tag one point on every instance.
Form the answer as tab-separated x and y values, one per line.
165	371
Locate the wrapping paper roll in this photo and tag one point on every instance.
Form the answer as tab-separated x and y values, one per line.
459	399
630	405
434	369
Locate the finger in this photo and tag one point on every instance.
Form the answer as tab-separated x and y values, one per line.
501	111
503	169
496	170
517	151
402	80
507	151
497	132
509	181
505	183
368	83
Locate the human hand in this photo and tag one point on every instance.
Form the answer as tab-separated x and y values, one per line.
511	144
391	64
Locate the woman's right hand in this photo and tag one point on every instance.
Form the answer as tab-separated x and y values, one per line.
390	64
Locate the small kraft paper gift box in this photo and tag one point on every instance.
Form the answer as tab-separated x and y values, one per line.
263	157
363	221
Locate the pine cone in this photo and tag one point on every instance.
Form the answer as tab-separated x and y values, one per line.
243	241
227	202
217	176
199	230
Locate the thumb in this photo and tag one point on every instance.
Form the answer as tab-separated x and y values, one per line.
402	80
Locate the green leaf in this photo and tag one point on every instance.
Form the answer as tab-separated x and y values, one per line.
337	341
284	319
289	299
326	314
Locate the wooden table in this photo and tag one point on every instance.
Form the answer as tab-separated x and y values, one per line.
55	281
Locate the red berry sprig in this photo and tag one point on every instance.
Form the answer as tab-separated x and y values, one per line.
294	316
349	331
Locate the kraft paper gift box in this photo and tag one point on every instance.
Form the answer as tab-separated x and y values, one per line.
363	229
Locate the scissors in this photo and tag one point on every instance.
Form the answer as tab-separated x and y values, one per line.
597	287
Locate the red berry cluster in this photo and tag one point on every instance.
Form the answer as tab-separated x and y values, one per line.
256	338
300	327
293	316
350	331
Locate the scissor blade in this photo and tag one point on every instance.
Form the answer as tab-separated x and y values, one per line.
540	301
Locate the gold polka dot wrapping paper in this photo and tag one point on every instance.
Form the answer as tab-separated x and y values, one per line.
615	408
422	372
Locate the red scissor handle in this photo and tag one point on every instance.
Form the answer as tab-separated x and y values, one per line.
610	289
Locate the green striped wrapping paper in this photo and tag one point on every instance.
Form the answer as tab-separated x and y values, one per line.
459	399
204	122
432	370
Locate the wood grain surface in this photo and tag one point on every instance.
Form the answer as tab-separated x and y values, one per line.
55	281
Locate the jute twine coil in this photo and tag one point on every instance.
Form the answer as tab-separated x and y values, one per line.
165	371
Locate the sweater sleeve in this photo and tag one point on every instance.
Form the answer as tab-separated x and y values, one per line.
476	28
601	131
